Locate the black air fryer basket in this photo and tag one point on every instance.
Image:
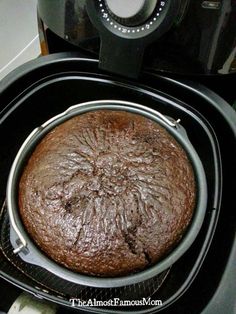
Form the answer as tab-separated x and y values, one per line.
29	252
40	90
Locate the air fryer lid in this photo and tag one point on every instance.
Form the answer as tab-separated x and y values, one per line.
31	254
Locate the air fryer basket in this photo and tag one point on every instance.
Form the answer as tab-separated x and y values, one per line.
30	253
48	86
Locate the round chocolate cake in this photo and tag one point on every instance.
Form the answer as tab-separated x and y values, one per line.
107	193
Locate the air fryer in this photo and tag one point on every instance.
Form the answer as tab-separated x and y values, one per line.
180	36
174	56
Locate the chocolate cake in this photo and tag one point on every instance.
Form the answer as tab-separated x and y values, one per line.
107	193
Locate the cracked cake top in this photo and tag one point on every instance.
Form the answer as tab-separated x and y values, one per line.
107	193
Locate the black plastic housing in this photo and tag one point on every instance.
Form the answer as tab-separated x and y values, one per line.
209	120
198	38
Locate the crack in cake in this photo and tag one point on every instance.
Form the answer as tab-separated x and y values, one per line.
107	193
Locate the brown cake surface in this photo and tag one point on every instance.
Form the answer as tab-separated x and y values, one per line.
107	193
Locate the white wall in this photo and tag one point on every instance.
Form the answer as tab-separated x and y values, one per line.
18	33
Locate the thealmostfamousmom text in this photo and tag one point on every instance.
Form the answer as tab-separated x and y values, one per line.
114	302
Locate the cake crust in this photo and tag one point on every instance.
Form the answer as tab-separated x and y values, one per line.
107	193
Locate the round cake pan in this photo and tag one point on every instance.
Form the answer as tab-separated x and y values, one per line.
24	246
